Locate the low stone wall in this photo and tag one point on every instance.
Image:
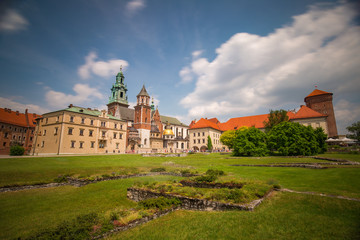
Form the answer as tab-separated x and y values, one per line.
188	203
165	155
36	186
210	185
337	160
136	223
314	166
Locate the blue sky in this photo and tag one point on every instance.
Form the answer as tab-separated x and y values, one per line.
196	58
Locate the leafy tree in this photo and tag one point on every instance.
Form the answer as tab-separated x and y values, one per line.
291	139
355	130
17	150
275	117
227	138
249	142
321	138
209	143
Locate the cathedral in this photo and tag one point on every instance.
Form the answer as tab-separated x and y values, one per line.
148	131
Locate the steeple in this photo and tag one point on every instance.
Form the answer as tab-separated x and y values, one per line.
143	97
119	89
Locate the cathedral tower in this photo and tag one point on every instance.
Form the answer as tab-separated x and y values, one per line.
321	102
118	96
142	121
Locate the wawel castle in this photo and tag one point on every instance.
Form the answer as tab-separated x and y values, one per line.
121	129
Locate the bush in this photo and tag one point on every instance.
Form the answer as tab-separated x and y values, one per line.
62	178
215	172
250	142
159	203
206	178
17	150
160	169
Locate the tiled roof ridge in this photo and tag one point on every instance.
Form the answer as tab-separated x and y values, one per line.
306	112
317	92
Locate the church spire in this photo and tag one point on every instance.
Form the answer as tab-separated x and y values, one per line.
119	89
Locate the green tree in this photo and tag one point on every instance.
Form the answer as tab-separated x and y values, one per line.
209	143
227	138
17	150
249	142
355	130
275	117
292	139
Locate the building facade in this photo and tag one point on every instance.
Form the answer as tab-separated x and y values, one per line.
16	129
77	130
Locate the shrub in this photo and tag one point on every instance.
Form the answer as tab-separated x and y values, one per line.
159	203
160	169
105	176
250	142
215	172
206	178
62	178
17	150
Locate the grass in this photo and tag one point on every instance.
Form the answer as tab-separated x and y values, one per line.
283	216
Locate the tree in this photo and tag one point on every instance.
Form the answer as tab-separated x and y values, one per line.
17	150
355	129
227	138
275	117
249	142
292	139
209	143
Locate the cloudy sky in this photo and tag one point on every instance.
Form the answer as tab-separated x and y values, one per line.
202	58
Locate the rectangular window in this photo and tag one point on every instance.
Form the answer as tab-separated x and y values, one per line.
121	126
57	118
4	144
203	134
198	140
6	135
103	124
15	129
117	145
194	141
72	144
203	140
92	144
115	125
44	132
103	133
91	133
70	131
30	138
82	120
81	133
198	134
120	135
23	138
91	122
81	144
46	120
71	119
56	131
19	138
114	135
194	135
42	143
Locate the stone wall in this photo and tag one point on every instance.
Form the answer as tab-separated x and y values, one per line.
188	203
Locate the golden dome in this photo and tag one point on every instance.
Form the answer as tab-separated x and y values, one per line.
168	132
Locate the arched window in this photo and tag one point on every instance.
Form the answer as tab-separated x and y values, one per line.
121	94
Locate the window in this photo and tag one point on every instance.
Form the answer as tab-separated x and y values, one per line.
194	134
72	144
91	133
14	137
198	140
92	144
25	130
57	118
71	119
120	135
203	140
46	120
56	131
6	135
70	131
114	135
4	144
121	126
194	141
81	132
31	138
15	129
203	134
23	138
81	144
145	140
103	133
42	143
91	122
19	138
82	120
44	132
198	134
115	125
146	118
103	124
117	145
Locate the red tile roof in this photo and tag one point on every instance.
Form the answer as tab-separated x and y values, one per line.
204	123
317	92
306	112
214	120
17	118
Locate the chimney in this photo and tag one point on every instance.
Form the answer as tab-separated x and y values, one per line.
70	106
17	113
9	110
26	111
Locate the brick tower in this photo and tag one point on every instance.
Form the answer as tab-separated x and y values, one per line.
142	121
321	102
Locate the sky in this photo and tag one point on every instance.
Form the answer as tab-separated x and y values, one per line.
197	58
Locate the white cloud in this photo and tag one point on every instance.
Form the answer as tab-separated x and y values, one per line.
255	73
84	94
346	113
134	6
100	68
12	21
196	54
16	106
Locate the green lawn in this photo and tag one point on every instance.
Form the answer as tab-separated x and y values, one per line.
283	216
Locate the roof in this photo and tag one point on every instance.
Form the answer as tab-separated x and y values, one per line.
214	120
87	111
306	112
204	123
154	128
16	118
249	121
317	92
171	120
143	92
127	113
